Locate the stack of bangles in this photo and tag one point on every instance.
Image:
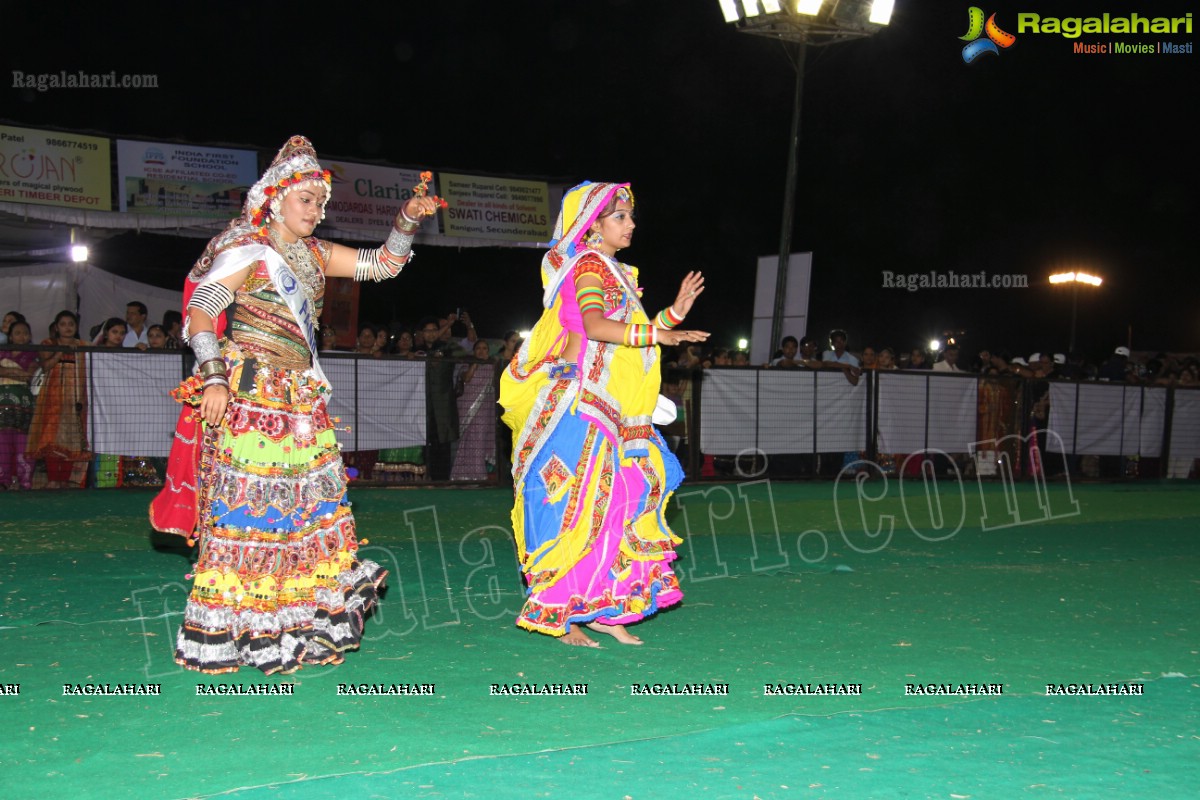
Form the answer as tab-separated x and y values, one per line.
214	374
667	318
387	260
208	356
641	335
647	335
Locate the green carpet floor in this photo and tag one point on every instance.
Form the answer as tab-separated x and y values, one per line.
784	583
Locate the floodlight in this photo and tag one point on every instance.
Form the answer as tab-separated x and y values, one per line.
79	253
881	12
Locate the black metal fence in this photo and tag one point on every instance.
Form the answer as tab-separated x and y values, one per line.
815	423
406	421
105	417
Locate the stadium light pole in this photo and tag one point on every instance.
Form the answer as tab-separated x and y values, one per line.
797	24
1074	278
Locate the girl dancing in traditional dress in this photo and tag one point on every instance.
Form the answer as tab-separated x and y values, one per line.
592	475
255	472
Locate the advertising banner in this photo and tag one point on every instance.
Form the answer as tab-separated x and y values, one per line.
496	208
55	169
367	198
183	179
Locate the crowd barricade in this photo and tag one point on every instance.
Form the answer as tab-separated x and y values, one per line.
392	416
796	423
384	410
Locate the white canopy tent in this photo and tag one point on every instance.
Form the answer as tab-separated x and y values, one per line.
38	279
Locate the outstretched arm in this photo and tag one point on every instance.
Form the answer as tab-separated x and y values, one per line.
386	261
590	292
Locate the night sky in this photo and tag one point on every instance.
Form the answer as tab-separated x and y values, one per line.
1025	162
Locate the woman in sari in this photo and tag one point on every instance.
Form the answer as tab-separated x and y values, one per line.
592	475
58	434
16	408
476	418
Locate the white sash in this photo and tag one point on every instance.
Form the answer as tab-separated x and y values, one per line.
286	283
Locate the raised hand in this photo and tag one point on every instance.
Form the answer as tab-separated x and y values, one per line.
689	290
419	207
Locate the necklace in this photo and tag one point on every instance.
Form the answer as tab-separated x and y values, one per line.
300	259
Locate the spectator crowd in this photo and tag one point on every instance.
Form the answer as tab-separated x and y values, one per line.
43	392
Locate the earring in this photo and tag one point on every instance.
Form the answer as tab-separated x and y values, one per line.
593	240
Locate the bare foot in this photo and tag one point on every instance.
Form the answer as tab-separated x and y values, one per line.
577	638
618	632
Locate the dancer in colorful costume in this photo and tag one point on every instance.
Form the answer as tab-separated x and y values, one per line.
592	475
255	474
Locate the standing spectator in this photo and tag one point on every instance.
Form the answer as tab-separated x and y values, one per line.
983	362
809	356
368	335
441	407
1018	366
995	417
405	345
382	341
509	348
135	321
156	336
6	324
917	359
1190	374
108	469
173	324
837	357
16	407
1045	367
113	334
465	332
870	359
328	338
455	337
363	461
788	348
401	463
949	360
886	360
58	434
475	386
1116	367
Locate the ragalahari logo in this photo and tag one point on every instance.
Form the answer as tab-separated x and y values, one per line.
976	27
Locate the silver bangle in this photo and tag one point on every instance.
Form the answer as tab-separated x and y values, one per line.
399	242
211	298
204	345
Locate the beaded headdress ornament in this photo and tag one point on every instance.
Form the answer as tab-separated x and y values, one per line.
295	165
581	206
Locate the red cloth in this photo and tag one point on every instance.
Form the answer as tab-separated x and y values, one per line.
176	508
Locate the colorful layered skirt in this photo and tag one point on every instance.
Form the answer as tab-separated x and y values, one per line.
597	545
278	583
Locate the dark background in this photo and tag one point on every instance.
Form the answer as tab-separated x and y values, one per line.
1024	163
